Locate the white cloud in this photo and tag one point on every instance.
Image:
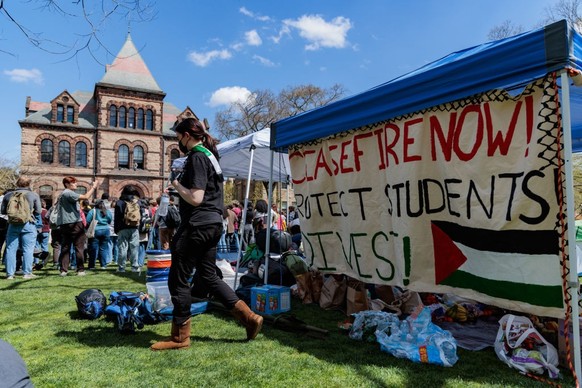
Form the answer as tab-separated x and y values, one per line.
285	30
229	95
237	46
251	14
253	39
321	33
25	76
202	59
264	61
245	12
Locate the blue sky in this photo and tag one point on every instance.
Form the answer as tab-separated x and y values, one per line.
206	54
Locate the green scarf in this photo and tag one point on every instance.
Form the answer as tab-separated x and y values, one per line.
213	160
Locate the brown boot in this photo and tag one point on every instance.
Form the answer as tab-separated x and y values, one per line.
179	337
253	322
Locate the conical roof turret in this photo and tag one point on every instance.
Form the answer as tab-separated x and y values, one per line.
129	70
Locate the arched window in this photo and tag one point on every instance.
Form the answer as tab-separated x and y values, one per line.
174	154
70	114
122	122
81	154
113	116
123	156
140	117
131	118
46	193
60	113
64	153
149	120
81	190
138	158
46	151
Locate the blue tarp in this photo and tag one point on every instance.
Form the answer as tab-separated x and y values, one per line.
508	63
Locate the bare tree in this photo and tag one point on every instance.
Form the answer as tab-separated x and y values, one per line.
8	174
94	14
504	30
565	9
263	107
295	100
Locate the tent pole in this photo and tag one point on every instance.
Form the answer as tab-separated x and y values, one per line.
269	218
574	283
241	227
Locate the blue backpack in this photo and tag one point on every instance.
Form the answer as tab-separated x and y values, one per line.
91	303
130	310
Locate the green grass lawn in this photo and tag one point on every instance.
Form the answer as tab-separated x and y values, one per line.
39	318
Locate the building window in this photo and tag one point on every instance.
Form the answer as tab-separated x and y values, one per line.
45	193
81	154
123	156
174	154
81	190
122	122
140	118
131	118
70	114
60	113
149	120
138	158
46	151
64	153
113	116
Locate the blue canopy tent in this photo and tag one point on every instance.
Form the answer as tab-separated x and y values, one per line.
508	64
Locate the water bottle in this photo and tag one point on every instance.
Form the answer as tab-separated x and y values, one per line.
163	208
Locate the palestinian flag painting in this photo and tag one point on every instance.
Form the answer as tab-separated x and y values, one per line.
517	265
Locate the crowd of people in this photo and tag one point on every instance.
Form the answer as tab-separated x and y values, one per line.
110	231
113	240
84	234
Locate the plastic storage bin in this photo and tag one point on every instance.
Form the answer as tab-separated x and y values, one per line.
159	294
270	299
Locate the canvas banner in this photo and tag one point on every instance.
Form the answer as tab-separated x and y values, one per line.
466	197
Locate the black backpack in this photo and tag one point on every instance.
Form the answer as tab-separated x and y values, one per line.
173	217
91	303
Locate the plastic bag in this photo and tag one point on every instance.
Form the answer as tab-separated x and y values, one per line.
415	338
520	346
419	340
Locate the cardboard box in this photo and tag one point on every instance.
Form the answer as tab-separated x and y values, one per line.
270	299
562	354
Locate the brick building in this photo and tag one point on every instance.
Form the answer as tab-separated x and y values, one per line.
121	133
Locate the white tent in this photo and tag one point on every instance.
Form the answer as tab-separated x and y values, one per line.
250	156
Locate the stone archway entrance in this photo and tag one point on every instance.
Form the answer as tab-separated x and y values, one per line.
137	188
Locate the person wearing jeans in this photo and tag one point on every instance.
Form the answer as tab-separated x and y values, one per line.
99	244
127	235
21	235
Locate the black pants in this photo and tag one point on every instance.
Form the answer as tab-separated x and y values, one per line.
195	248
72	234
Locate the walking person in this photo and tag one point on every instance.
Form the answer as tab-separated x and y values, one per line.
126	224
194	244
23	208
71	226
